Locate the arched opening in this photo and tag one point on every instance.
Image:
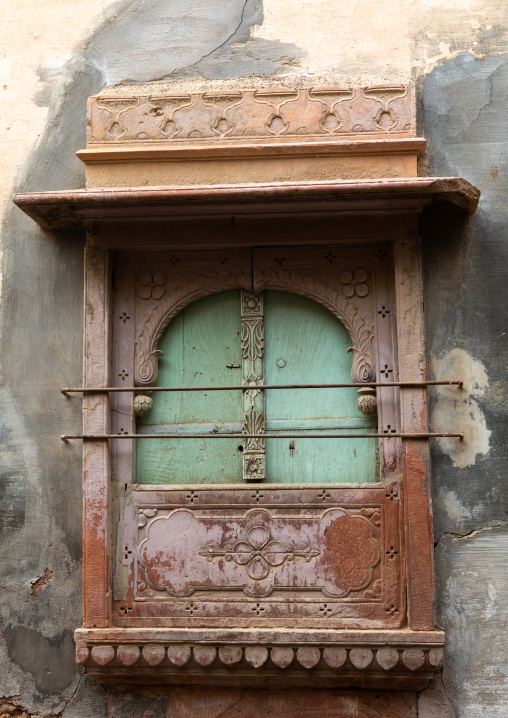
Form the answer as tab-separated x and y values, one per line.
303	343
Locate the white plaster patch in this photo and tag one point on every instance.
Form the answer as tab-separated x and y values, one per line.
367	39
490	606
458	410
453	507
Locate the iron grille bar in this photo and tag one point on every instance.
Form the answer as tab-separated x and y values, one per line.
391	435
141	389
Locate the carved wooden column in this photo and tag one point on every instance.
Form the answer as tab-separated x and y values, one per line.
96	452
415	454
254	450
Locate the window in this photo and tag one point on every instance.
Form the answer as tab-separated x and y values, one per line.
289	561
280	339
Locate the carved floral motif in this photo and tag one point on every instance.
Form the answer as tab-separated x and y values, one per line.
258	552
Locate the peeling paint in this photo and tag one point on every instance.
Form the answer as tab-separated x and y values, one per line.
459	410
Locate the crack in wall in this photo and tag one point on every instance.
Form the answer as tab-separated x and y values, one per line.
473	532
215	49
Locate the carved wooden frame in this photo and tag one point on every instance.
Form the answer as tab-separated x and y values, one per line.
116	644
119	643
162	313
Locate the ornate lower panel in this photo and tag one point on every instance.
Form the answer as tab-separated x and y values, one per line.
389	660
298	557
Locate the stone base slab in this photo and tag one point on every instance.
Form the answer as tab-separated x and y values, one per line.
394	660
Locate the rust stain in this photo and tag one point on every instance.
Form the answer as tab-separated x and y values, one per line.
351	552
494	172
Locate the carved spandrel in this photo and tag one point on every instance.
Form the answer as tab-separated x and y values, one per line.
164	306
252	338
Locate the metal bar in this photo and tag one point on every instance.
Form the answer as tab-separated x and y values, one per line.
391	435
140	389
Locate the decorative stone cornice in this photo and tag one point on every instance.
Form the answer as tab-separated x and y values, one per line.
268	115
77	208
366	664
251	135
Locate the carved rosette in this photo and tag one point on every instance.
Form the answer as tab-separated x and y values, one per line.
252	337
258	552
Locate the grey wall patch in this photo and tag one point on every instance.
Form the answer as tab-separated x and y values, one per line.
458	410
472	579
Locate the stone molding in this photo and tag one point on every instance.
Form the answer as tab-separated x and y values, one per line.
83	207
251	135
366	664
269	115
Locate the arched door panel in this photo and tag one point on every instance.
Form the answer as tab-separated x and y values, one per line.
201	348
303	343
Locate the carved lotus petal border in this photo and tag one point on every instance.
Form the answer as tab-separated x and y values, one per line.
347	658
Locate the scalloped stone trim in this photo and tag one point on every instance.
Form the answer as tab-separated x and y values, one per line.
181	656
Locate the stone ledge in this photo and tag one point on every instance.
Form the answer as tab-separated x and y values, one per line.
74	208
381	663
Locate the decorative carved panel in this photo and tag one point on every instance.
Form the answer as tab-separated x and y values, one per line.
261	115
264	556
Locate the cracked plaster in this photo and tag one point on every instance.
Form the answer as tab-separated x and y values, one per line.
472	583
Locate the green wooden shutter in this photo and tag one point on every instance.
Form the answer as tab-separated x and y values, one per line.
201	348
304	343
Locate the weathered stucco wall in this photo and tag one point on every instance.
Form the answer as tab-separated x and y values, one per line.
57	53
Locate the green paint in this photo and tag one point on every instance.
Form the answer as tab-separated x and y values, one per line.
197	346
304	343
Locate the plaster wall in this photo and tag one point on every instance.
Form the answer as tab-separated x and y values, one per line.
54	55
